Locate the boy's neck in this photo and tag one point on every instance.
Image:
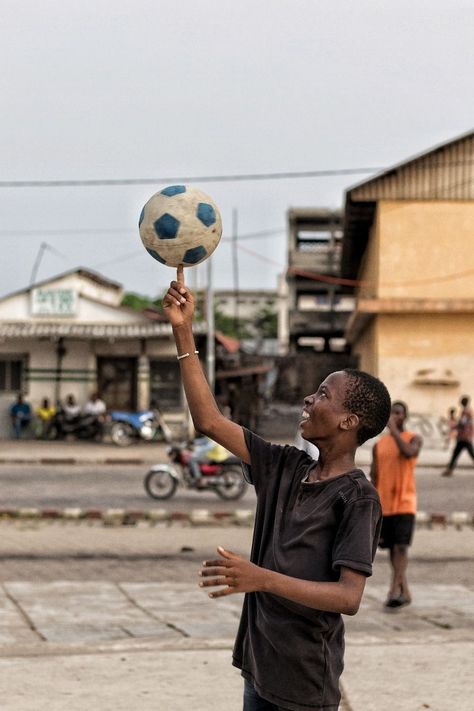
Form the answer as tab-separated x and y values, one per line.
331	464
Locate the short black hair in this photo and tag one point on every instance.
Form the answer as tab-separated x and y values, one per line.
368	398
465	401
401	404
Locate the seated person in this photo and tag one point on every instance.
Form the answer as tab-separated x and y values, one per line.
96	406
70	408
44	414
20	413
205	450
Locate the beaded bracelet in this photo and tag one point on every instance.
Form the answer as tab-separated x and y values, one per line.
186	355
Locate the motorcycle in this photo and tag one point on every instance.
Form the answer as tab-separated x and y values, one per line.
127	427
80	426
224	477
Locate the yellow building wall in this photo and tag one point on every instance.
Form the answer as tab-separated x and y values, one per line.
408	343
369	271
419	245
366	349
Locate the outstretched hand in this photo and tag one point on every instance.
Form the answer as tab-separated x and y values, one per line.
232	573
178	304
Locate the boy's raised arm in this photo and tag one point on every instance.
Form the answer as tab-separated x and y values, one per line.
178	306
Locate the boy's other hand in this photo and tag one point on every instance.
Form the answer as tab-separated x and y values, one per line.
232	574
178	304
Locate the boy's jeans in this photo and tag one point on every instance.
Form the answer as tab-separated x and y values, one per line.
254	702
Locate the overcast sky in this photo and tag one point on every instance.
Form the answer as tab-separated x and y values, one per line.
151	89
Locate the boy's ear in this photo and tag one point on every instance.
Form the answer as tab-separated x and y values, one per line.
350	422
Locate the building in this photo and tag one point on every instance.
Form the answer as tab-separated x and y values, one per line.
70	334
318	305
408	241
245	305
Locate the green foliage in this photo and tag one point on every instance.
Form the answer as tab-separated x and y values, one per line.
228	326
140	302
266	323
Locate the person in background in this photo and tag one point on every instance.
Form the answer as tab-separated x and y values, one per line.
393	475
20	414
70	408
463	429
451	431
44	414
96	406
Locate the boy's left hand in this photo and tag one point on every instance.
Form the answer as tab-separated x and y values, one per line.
234	573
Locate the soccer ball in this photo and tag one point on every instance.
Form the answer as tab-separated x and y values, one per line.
180	225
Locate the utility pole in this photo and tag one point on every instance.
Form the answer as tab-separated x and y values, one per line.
235	269
39	256
211	349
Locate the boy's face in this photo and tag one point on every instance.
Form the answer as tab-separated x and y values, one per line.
324	411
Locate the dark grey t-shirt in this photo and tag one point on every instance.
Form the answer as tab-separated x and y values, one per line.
293	654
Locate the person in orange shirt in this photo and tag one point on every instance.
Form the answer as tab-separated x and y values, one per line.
393	474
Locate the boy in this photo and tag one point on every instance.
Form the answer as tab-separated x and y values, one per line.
393	475
316	530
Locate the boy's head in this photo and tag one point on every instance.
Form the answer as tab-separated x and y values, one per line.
348	403
368	398
399	413
465	401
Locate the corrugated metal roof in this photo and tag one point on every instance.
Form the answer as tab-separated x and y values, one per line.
444	172
81	271
93	331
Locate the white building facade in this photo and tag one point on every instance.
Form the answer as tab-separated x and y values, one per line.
70	335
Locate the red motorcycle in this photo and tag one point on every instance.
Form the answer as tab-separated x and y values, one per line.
224	477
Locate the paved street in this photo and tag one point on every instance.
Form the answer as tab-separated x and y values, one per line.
102	486
140	631
111	617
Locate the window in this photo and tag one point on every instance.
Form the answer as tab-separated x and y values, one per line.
165	384
12	373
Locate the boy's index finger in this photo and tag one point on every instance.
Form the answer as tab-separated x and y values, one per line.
180	275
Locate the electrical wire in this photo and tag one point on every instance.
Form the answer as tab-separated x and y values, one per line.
284	175
281	175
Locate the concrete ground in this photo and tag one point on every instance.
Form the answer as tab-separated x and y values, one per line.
156	641
112	618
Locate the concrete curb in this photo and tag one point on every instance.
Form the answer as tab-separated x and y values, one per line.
195	517
69	461
127	517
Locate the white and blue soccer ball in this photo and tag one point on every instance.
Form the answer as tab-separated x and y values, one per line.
180	225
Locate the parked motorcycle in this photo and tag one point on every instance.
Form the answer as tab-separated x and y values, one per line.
224	477
80	426
128	427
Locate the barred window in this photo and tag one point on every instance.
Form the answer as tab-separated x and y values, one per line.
11	374
165	383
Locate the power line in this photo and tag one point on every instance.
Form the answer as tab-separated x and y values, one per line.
238	177
127	230
184	179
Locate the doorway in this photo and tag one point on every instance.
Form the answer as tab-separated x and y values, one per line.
117	382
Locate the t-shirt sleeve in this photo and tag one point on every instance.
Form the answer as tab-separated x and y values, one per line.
358	536
267	460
